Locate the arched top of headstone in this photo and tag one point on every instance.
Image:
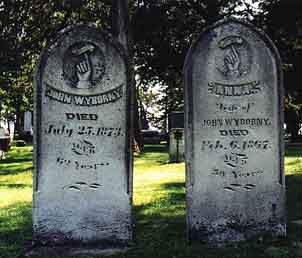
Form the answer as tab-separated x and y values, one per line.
83	40
233	24
234	134
82	140
245	47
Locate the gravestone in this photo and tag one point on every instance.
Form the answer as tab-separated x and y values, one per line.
82	155
177	145
234	135
176	120
27	122
176	136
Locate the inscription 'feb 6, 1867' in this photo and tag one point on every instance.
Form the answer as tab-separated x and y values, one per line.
234	123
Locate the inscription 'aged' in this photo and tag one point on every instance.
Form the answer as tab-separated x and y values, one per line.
233	90
82	191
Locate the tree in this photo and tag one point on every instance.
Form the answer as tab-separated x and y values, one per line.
163	32
26	27
286	34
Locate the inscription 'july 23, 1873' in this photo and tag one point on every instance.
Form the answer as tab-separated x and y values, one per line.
82	176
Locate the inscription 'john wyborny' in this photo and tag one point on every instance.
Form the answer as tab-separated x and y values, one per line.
87	100
220	122
233	103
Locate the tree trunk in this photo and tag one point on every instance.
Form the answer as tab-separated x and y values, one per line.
121	31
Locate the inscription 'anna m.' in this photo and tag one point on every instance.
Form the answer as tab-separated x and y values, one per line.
236	90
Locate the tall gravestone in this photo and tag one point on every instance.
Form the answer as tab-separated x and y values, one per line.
234	131
83	177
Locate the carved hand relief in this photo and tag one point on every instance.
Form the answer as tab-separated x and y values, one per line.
233	59
234	134
82	140
83	65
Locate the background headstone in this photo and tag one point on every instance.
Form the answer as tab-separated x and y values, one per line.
234	123
176	120
176	136
83	176
177	145
28	122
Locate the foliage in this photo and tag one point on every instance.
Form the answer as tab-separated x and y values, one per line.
162	30
26	27
162	34
286	34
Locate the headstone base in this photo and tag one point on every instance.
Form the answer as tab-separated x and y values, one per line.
95	250
224	236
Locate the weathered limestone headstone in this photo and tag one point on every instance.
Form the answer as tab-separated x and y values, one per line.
234	132
83	177
176	136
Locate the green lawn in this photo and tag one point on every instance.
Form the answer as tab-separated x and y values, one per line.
159	209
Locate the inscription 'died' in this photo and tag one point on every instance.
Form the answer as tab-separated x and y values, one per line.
83	140
233	92
84	67
234	62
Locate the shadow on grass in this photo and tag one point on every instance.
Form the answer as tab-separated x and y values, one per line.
14	170
8	185
15	229
16	162
160	225
155	148
161	231
294	196
174	186
9	160
294	207
293	152
160	228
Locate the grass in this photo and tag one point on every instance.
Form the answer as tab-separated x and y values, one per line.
159	209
